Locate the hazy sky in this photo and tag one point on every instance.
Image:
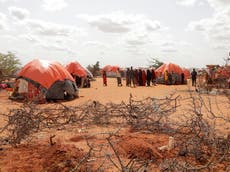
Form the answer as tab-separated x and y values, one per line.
191	33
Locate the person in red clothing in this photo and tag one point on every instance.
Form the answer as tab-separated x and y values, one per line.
143	77
104	76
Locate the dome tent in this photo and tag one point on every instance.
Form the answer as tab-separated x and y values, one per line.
173	69
80	74
170	67
109	68
50	80
75	68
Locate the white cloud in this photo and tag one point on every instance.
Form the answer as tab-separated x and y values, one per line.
216	29
200	25
169	46
95	44
52	44
119	22
219	4
48	36
9	37
3	1
152	25
173	45
136	51
184	44
55	47
3	23
186	2
169	50
201	3
18	13
136	39
108	23
30	38
54	5
221	46
135	42
51	29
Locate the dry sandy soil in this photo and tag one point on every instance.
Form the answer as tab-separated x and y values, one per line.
70	146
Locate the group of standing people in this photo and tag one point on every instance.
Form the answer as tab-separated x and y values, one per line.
134	77
140	77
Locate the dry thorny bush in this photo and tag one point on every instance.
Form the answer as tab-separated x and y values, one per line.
198	140
198	145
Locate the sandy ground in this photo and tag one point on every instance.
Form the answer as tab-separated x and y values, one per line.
38	156
111	93
115	94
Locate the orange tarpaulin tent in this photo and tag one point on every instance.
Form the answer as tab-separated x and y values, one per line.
114	68
45	72
109	68
106	68
76	69
41	80
170	67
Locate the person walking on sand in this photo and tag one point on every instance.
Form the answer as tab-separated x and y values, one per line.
194	75
104	76
118	75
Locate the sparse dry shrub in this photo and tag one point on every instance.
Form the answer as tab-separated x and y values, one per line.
199	147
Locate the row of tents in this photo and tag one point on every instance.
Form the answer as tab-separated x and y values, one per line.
42	80
169	67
